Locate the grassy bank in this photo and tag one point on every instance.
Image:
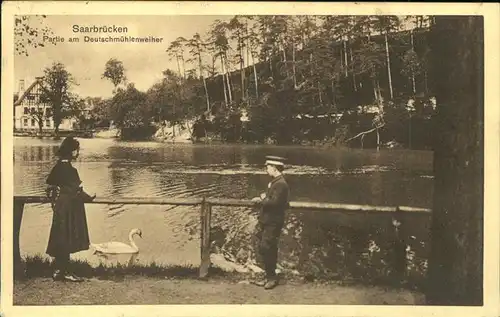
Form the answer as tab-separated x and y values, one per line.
42	267
38	266
140	284
154	284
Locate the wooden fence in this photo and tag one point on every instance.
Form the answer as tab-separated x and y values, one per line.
206	213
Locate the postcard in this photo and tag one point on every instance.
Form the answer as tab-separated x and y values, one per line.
250	158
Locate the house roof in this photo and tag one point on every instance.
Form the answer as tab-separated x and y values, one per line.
27	91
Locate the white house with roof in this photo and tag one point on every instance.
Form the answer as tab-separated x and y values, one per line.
30	112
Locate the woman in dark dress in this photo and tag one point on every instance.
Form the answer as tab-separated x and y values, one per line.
69	232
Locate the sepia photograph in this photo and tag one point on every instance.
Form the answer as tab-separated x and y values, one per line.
263	159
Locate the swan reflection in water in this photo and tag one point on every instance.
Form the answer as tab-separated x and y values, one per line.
113	249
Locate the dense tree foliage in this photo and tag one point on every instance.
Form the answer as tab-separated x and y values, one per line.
306	79
357	80
29	33
56	91
317	78
115	72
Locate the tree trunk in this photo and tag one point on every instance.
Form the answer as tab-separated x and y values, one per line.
178	65
353	75
247	43
242	65
341	58
293	66
319	94
183	67
311	63
56	131
213	66
206	93
285	62
412	71
228	82
223	79
345	58
375	94
204	81
388	64
379	94
413	83
243	75
271	65
56	115
455	275
180	75
255	77
284	53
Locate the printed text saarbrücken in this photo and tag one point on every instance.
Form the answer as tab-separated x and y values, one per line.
99	29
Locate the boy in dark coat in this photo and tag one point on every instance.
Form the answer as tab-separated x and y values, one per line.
273	205
69	232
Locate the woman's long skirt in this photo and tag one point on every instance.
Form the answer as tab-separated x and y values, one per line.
69	231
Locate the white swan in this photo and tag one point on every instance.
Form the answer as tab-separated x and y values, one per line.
118	247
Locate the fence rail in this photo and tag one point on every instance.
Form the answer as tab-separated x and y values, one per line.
206	213
232	202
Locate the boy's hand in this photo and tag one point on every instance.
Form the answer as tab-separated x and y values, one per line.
263	196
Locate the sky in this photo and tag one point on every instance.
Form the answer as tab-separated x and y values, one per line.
144	62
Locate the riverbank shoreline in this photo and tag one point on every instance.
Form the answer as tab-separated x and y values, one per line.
35	267
86	134
216	142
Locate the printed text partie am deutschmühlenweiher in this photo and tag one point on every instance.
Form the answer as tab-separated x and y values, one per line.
94	34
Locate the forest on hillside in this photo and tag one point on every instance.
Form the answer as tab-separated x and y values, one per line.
352	80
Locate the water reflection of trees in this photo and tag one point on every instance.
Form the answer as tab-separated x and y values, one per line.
205	155
377	191
35	153
229	155
31	167
116	178
239	186
177	154
161	153
324	245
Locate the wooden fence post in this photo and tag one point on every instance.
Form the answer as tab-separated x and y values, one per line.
206	214
399	255
18	217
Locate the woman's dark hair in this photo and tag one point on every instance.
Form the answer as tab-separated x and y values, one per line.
68	145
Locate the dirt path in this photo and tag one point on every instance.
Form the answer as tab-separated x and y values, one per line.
142	290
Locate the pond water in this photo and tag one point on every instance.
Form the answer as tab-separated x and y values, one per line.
112	168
